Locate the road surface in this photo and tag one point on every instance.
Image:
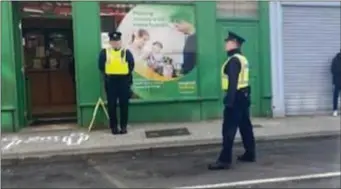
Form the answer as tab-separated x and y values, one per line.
185	167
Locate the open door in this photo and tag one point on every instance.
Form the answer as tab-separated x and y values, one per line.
43	43
249	30
24	107
49	64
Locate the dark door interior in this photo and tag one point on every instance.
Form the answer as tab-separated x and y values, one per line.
49	66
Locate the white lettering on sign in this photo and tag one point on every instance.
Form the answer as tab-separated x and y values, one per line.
70	140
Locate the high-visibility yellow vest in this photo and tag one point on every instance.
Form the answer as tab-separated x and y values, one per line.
116	64
243	79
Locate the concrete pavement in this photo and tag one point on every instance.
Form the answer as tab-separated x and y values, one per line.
35	143
173	168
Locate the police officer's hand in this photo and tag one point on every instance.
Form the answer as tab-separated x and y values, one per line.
105	78
131	93
227	103
130	80
229	106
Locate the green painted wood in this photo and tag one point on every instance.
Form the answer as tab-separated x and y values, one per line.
156	113
86	31
209	61
249	30
259	51
8	75
7	121
210	34
265	53
24	111
208	65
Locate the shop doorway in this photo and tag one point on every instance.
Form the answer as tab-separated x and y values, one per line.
48	58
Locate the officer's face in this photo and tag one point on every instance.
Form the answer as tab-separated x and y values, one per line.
230	45
115	44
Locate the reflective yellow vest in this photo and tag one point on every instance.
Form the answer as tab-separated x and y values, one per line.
243	79
116	64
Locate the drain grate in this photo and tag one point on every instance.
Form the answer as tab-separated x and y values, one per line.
167	133
257	126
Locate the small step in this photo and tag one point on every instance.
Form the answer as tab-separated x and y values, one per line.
53	120
55	115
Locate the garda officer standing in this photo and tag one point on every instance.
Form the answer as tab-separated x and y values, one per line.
235	82
117	65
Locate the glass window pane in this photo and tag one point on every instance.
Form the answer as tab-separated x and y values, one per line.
225	9
237	9
45	9
112	14
246	8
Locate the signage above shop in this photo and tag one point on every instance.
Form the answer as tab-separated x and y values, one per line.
63	9
115	9
45	9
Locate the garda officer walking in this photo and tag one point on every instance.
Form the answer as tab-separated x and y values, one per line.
235	82
117	65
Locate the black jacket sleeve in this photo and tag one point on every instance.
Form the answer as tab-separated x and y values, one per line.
101	61
131	65
130	60
332	68
232	70
336	64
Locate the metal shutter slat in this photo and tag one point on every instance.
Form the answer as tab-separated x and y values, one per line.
307	78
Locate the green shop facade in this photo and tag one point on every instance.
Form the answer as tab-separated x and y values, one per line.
165	96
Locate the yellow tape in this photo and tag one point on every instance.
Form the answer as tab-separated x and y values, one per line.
99	103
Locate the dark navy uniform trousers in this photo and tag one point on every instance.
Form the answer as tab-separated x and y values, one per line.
237	116
118	90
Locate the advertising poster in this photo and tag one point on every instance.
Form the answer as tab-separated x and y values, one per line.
162	40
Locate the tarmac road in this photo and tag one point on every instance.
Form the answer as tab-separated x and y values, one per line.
314	183
182	167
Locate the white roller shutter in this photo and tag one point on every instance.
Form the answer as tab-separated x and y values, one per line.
311	37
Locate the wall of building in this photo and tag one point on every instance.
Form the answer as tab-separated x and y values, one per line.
250	20
295	94
206	105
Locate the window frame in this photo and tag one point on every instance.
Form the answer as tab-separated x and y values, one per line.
235	14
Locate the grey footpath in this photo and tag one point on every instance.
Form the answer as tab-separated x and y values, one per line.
39	144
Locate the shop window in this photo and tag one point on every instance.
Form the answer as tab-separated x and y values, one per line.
45	9
237	9
162	40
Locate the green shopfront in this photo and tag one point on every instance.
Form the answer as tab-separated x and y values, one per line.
177	46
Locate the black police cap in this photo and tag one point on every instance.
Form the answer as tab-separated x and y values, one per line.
115	36
234	36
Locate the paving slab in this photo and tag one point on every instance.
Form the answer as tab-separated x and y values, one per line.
78	141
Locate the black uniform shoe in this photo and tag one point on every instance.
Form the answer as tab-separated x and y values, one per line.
123	131
115	131
246	158
219	166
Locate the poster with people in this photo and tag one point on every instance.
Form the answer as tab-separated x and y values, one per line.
163	42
